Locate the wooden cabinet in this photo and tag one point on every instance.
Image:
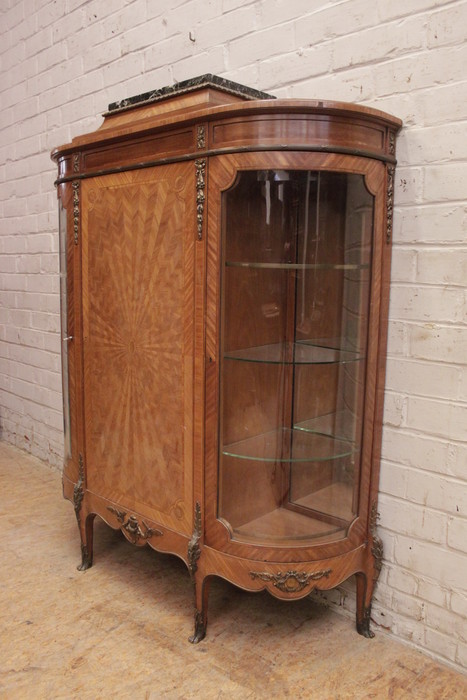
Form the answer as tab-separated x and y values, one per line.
225	279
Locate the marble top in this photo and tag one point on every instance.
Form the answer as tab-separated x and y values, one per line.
201	81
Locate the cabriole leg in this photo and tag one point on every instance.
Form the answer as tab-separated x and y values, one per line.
365	587
86	533
366	580
201	587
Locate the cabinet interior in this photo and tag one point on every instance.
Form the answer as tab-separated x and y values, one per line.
296	259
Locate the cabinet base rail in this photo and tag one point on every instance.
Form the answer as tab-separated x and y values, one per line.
284	580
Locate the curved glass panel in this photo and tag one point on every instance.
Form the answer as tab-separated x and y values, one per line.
296	267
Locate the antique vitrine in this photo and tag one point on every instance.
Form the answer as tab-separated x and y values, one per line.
225	266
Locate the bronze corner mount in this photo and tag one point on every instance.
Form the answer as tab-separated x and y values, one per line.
377	543
200	165
75	185
78	489
389	202
201	136
76	162
194	550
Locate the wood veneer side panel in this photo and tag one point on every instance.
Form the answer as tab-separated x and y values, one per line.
73	282
85	236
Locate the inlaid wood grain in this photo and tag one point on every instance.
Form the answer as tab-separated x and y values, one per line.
156	146
298	129
138	330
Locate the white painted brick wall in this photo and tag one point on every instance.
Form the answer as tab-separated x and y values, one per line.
63	62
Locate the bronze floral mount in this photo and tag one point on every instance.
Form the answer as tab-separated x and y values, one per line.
389	202
377	545
134	530
75	185
78	489
194	551
200	165
290	581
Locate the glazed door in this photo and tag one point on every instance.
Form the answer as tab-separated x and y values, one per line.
295	260
139	231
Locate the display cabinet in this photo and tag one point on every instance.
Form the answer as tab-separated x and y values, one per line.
225	266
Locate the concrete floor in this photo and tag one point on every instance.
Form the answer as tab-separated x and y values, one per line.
120	629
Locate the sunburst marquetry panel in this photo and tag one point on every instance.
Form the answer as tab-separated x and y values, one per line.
138	339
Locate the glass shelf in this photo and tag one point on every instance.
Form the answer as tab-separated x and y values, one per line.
337	424
297	266
338	343
304	447
301	353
